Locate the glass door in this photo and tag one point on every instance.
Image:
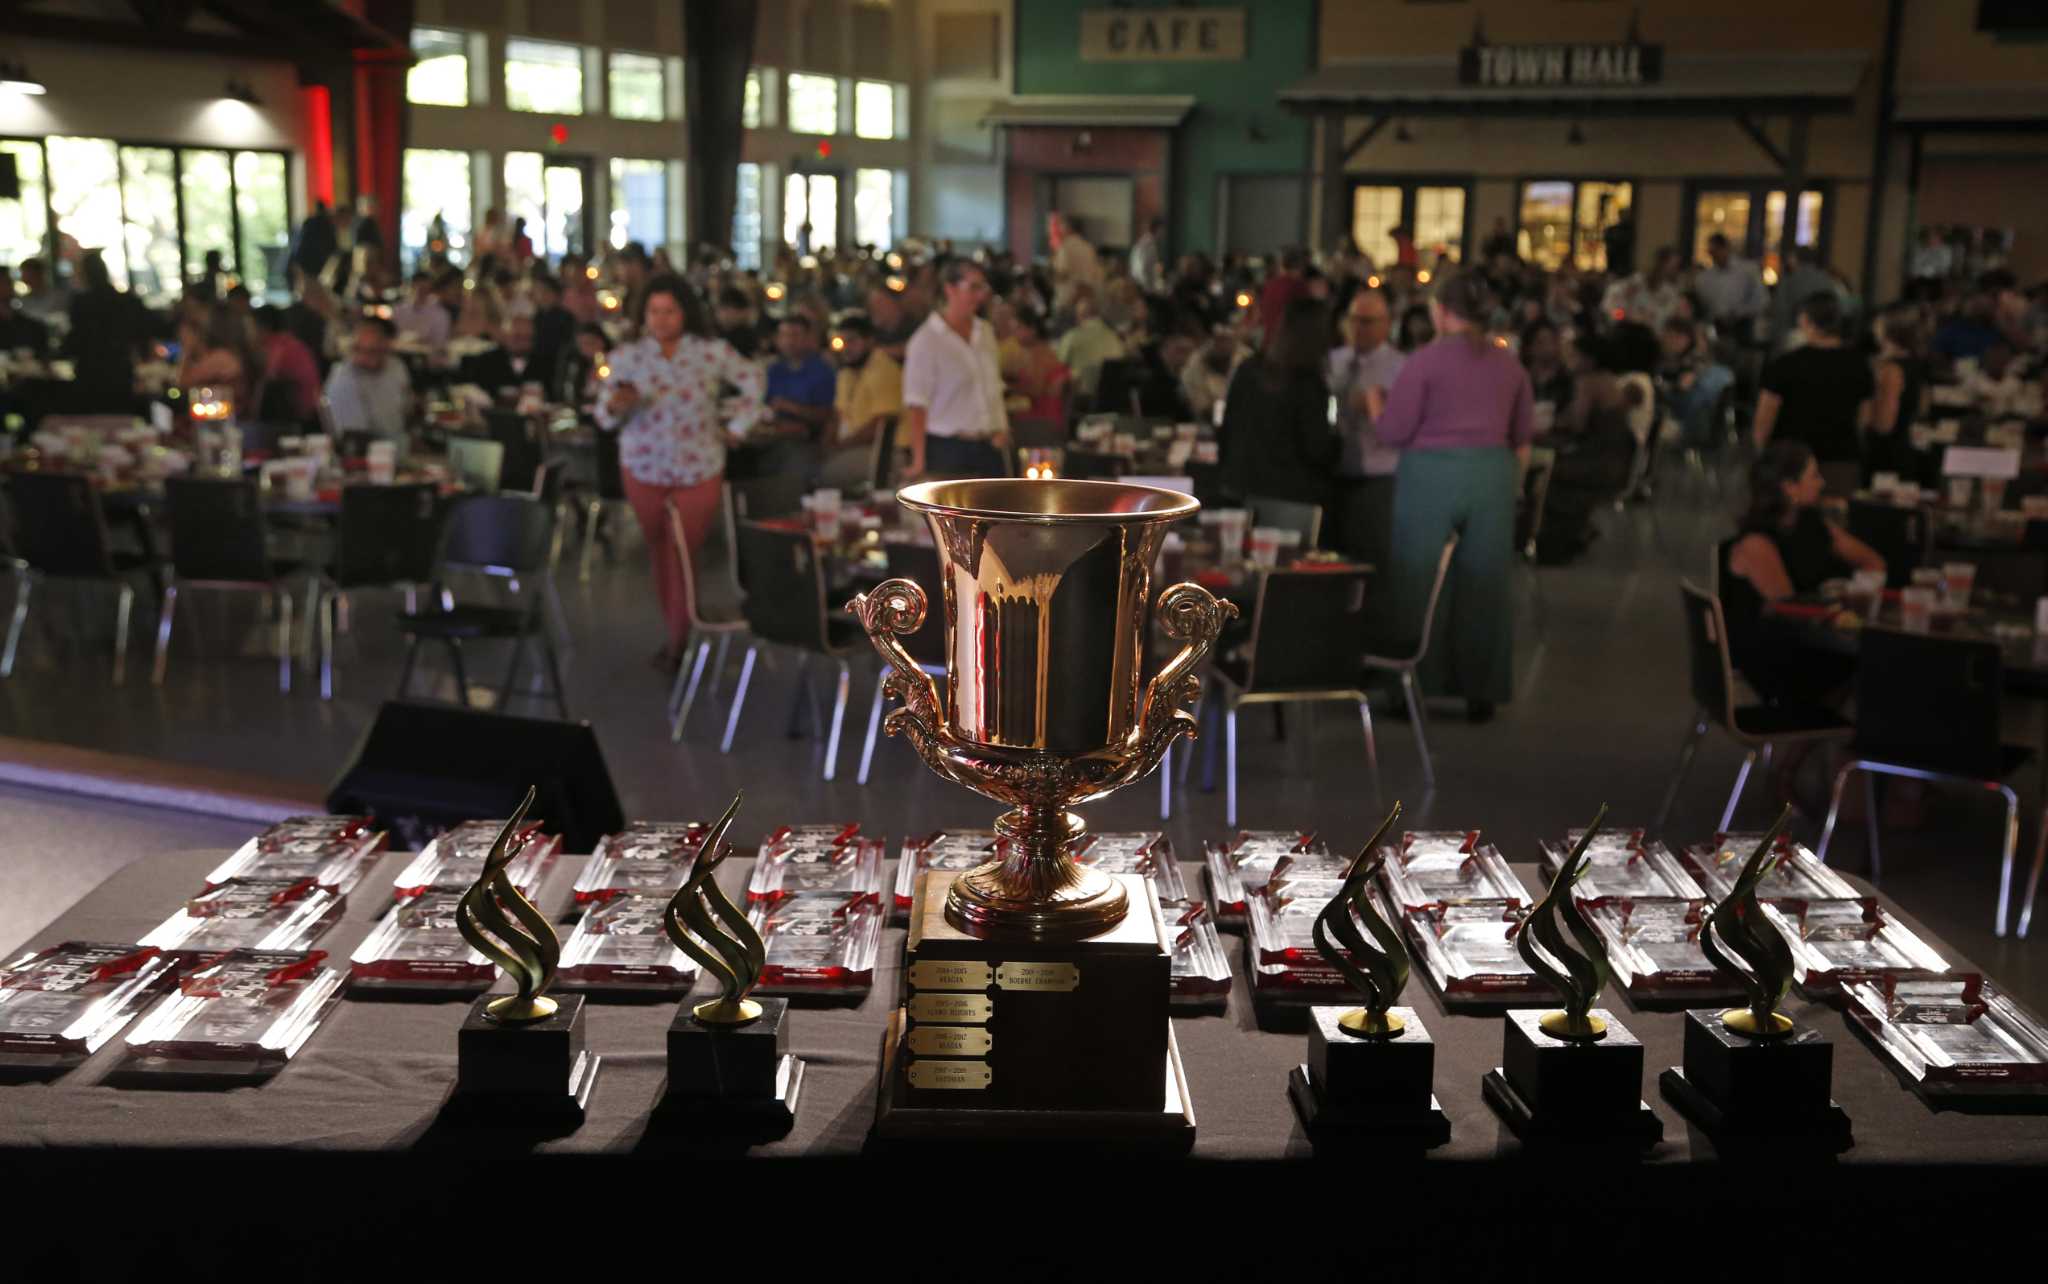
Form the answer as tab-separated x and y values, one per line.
813	199
149	185
567	217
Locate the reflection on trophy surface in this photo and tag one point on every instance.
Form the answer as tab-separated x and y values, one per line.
1046	585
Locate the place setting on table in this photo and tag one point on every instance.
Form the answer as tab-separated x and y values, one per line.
1943	599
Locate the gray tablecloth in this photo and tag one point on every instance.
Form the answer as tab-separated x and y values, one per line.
375	1075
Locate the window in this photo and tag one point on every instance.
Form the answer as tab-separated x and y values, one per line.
1805	231
439	75
746	214
543	76
154	213
874	109
1752	215
874	207
23	222
1723	213
750	101
813	104
639	203
435	185
1433	213
637	92
1566	220
813	199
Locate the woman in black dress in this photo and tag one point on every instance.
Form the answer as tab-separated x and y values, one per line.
1277	440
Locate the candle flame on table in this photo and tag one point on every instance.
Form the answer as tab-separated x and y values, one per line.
1422	277
1372	283
774	290
1244	300
591	272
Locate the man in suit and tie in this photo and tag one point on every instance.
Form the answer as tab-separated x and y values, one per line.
503	370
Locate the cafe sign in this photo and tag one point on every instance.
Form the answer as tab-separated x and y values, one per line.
1595	66
1162	35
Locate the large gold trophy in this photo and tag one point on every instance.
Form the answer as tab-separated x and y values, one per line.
1046	585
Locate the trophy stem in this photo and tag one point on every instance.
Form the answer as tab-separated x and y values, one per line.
1036	892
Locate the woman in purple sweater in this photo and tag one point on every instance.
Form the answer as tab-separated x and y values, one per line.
1460	412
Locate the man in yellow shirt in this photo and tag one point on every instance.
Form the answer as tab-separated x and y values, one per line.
870	390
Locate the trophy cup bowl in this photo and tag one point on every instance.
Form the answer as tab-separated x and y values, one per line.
1046	584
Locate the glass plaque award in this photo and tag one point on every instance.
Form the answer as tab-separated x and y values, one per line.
1147	854
334	851
620	944
1953	1037
1798	875
821	860
1286	966
418	946
59	1005
1624	864
955	851
249	913
650	857
1838	941
1201	971
1244	864
1654	948
1468	953
1448	867
818	943
455	859
240	1015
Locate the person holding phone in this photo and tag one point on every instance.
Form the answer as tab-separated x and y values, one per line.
662	398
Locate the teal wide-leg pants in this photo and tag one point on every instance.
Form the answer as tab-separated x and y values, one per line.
1470	492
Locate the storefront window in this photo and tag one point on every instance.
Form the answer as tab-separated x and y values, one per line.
1375	213
813	104
264	217
1805	231
149	184
639	203
1565	221
23	222
750	101
439	75
1434	213
636	87
874	109
1440	224
874	207
543	76
813	199
550	198
85	196
436	184
1723	213
746	214
208	185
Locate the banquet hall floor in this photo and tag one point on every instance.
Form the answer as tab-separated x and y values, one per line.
1601	704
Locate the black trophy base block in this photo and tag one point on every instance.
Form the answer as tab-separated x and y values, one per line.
733	1078
1363	1089
1562	1090
538	1070
1169	1130
1740	1088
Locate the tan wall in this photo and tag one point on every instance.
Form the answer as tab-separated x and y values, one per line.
1992	191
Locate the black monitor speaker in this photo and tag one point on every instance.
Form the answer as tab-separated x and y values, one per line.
422	768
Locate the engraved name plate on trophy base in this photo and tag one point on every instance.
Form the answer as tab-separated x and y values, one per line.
535	1068
1738	1088
1551	1090
1020	1040
1362	1090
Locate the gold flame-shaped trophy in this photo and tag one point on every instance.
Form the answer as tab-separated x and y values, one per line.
1576	1074
729	1064
1032	965
522	1053
1369	1069
1752	1074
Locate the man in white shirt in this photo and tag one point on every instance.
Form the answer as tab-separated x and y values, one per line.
1074	261
953	417
1646	297
1732	289
370	392
1366	362
1148	267
421	315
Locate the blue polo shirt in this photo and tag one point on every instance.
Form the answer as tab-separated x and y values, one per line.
811	382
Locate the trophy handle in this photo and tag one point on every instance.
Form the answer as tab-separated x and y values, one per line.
897	607
1195	617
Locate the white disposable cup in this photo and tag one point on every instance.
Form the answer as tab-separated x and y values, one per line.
383	462
1266	545
2041	616
298	480
1957	579
1916	609
1959	492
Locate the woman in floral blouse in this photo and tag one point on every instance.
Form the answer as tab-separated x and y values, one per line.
663	400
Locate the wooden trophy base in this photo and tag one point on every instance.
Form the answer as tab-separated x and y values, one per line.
1170	1129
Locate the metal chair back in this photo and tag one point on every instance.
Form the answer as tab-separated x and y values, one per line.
59	527
1436	592
478	464
760	499
1930	701
386	535
1706	636
882	464
523	457
611	478
217	531
1899	535
1308	631
498	535
1289	515
785	585
689	564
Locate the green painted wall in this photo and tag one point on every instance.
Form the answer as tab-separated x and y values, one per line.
1231	98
